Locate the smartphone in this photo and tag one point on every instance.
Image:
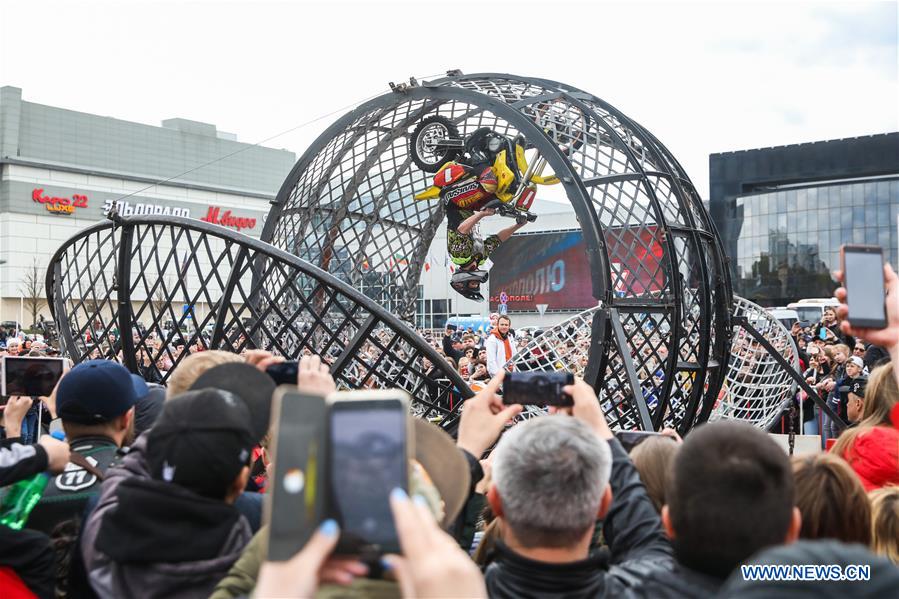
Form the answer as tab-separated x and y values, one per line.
630	439
24	375
295	498
537	388
862	267
370	444
284	373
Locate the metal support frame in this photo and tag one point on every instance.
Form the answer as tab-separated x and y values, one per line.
797	377
633	380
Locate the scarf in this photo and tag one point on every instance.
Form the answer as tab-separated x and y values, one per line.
505	340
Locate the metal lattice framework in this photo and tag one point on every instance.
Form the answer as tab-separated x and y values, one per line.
757	387
660	338
174	285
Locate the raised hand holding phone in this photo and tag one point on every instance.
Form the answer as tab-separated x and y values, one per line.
862	269
887	337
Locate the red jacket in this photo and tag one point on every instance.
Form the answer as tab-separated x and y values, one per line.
875	457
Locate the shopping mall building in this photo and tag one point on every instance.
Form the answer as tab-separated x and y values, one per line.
61	170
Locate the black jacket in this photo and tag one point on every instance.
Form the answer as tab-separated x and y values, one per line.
148	538
67	493
681	583
637	547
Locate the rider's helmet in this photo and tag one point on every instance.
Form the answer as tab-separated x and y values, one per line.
468	283
484	144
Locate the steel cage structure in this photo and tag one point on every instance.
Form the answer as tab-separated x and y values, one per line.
659	342
115	275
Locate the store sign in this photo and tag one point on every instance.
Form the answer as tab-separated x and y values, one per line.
59	205
226	219
138	208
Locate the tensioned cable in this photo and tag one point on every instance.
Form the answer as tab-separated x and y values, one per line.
259	143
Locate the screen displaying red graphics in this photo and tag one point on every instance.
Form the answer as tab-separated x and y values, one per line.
552	269
545	268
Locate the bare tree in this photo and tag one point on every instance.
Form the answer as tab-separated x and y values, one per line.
32	290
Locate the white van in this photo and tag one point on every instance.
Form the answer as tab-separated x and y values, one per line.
786	316
812	309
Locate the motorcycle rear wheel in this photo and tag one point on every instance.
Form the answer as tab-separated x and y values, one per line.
422	143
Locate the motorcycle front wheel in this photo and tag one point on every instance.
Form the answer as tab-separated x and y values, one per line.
427	154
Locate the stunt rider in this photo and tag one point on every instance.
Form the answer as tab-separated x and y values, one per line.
487	174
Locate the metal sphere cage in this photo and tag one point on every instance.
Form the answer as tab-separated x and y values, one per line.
658	343
345	242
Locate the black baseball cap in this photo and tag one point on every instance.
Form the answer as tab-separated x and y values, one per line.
201	441
856	385
97	391
248	383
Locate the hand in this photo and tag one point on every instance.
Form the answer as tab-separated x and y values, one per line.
314	377
670	432
484	483
586	407
432	565
57	453
887	338
483	418
300	575
14	414
486	212
261	359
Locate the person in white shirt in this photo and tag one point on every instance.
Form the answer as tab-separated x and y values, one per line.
501	346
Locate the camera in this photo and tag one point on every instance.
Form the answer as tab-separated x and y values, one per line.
537	388
284	373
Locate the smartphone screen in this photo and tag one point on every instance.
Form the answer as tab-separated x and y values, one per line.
368	460
863	276
30	376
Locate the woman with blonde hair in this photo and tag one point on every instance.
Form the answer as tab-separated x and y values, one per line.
653	459
885	522
872	447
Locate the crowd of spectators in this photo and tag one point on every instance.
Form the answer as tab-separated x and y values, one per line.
158	491
833	362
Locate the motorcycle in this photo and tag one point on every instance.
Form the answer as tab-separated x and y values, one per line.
484	166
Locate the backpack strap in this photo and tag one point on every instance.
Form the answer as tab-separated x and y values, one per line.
79	460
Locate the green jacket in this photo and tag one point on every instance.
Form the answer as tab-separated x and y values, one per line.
241	579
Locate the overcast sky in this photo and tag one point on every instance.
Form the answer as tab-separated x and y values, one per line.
703	77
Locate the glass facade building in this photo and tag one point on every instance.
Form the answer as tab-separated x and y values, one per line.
783	213
788	241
